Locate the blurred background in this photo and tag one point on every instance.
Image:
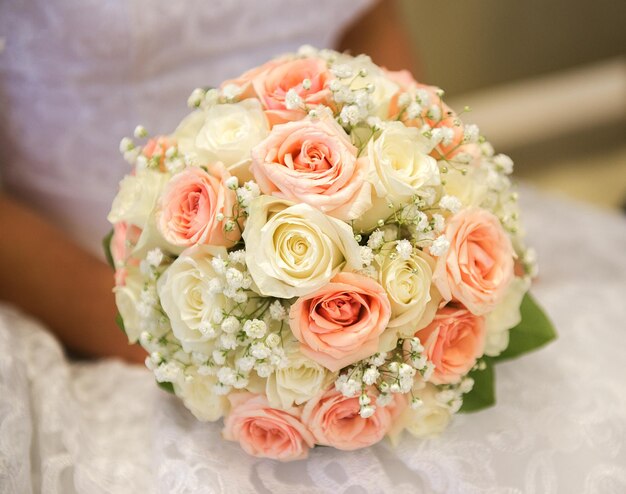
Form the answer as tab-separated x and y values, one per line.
546	81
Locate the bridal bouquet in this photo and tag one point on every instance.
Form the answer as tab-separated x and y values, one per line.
322	253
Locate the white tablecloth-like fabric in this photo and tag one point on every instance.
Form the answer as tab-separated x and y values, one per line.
559	425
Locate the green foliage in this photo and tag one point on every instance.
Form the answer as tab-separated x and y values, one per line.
483	393
166	386
534	331
120	322
106	245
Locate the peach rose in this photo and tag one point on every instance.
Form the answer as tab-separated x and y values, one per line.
313	161
341	322
264	431
334	420
444	117
156	148
453	342
244	81
272	85
190	205
402	78
478	266
124	238
449	150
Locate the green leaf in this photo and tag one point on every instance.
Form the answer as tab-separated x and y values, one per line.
166	386
120	322
482	394
106	245
534	331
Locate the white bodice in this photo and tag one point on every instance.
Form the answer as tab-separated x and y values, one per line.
78	75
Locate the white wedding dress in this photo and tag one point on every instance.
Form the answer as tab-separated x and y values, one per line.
75	76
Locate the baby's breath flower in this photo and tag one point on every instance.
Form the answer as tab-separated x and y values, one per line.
263	369
272	340
234	278
218	357
367	255
434	113
341	71
232	183
245	364
227	376
413	110
195	98
231	324
260	351
350	115
471	133
450	203
277	311
371	375
416	403
376	239
440	246
155	257
293	101
228	341
404	249
140	131
255	328
503	163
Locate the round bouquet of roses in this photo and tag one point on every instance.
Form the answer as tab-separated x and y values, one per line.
322	253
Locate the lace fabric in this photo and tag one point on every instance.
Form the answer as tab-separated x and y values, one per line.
558	427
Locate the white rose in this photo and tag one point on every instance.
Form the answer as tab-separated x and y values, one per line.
414	299
126	299
430	419
298	382
187	299
294	249
399	167
401	163
198	396
505	316
470	189
225	133
137	197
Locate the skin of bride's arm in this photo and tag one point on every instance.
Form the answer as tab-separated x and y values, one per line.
47	275
381	34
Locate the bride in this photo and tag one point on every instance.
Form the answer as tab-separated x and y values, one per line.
75	79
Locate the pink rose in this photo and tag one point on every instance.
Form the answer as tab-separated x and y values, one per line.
190	205
272	85
264	431
334	420
478	266
313	162
124	238
453	342
341	322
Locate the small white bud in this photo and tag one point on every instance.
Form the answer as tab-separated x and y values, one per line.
140	131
